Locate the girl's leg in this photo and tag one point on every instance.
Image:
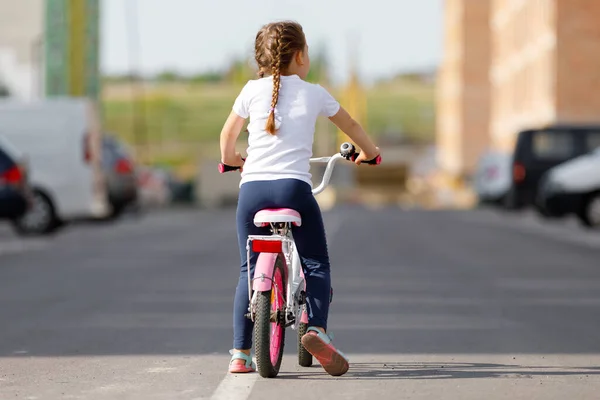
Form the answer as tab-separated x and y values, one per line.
249	202
312	247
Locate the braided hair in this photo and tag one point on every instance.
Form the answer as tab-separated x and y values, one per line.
275	46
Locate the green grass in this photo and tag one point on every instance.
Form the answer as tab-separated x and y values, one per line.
193	114
402	108
180	118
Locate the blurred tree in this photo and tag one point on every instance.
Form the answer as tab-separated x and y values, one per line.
240	71
319	66
207	77
119	78
167	76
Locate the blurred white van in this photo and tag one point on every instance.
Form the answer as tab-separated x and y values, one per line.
61	141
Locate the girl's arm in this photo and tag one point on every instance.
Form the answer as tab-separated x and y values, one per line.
350	127
229	134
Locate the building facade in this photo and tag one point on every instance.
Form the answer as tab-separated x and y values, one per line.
463	93
543	67
50	48
522	74
21	53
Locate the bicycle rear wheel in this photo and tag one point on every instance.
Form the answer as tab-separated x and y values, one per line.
269	323
305	359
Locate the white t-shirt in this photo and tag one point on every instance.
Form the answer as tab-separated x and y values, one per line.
285	154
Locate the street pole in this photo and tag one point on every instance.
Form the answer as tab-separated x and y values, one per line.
353	95
37	70
136	80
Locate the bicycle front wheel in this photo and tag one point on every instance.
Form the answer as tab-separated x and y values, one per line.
269	323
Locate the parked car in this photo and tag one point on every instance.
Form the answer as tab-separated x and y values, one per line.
61	141
181	192
539	150
15	195
120	173
153	187
492	177
573	188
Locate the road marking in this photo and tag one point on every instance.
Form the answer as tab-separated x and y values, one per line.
564	232
21	246
160	370
235	387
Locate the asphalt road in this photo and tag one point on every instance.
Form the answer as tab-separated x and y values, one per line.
427	305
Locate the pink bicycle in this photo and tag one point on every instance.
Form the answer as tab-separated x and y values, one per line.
277	291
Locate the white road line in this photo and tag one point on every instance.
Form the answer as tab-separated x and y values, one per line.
549	229
21	246
235	387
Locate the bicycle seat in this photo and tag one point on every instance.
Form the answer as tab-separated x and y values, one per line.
274	215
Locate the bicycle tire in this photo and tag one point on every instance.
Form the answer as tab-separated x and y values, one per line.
305	359
262	326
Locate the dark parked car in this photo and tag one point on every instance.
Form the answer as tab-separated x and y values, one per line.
15	195
539	150
120	175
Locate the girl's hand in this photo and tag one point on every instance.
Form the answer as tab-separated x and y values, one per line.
235	161
364	156
350	127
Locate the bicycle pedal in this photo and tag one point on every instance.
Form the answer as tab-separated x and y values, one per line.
302	298
278	317
290	317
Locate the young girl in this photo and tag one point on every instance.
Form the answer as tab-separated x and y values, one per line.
283	109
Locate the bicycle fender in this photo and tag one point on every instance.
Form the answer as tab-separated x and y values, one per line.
265	265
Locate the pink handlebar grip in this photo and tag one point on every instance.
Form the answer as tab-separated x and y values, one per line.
375	161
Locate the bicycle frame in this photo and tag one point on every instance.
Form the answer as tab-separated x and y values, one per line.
265	264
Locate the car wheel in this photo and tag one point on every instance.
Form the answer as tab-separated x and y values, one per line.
115	213
509	201
542	212
40	219
589	214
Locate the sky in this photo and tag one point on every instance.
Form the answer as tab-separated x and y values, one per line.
191	36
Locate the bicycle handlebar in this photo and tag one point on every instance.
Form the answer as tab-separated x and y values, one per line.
347	151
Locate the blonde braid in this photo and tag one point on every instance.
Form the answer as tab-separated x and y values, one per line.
276	70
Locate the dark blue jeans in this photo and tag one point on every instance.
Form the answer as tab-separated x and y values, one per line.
310	242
